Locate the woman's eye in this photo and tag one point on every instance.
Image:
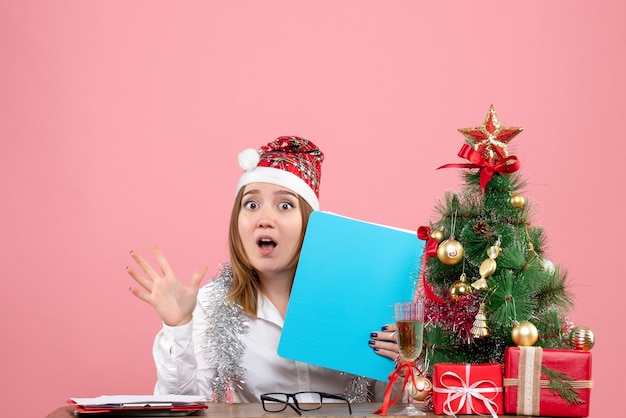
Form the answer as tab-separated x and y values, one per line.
286	205
250	205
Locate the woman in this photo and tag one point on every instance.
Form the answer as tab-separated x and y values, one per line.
221	340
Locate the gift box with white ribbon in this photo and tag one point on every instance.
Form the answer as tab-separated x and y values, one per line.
468	389
545	382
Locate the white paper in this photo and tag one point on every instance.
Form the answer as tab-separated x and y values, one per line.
114	400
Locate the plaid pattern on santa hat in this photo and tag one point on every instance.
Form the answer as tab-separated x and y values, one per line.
289	161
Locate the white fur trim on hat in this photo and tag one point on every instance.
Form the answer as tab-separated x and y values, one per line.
281	178
249	159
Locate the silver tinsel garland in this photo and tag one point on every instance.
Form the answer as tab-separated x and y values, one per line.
224	349
358	389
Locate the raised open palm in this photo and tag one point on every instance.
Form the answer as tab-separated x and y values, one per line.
172	300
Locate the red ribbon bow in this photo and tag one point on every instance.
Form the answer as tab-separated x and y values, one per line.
487	168
424	232
408	367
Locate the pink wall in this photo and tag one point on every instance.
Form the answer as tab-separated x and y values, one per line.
120	124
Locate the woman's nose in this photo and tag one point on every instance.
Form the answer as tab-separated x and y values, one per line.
266	217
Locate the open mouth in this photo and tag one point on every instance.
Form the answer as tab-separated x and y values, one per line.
266	243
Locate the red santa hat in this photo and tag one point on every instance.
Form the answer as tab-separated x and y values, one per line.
290	161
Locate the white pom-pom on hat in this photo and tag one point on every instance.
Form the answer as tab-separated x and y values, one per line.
249	159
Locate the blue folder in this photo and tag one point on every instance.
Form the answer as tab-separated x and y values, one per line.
349	276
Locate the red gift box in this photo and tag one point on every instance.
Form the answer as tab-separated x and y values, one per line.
526	389
467	389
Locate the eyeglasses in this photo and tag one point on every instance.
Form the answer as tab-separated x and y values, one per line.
302	401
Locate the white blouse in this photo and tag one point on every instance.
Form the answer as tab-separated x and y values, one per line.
180	354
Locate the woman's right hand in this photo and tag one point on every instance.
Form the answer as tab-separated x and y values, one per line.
172	300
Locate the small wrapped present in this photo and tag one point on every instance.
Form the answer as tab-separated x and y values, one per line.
467	389
547	382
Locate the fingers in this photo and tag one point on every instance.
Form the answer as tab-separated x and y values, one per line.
145	266
384	342
143	282
148	269
161	260
384	345
390	354
141	295
384	336
140	279
387	333
389	327
154	277
197	277
384	348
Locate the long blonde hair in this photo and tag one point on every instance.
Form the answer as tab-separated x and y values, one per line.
245	288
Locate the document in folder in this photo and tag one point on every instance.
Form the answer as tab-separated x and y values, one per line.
138	405
349	276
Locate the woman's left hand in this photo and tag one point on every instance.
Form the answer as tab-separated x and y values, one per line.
385	342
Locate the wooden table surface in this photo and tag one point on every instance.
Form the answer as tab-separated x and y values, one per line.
255	410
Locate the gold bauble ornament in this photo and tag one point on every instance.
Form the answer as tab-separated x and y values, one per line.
450	252
517	201
420	388
525	333
582	338
437	235
460	288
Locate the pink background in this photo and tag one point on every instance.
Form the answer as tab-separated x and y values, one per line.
120	122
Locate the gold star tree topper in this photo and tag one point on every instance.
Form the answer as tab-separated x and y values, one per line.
491	139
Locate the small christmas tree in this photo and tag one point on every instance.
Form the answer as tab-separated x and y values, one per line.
485	282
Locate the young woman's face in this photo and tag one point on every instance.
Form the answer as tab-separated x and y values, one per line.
270	227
